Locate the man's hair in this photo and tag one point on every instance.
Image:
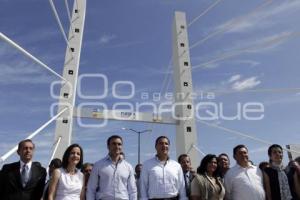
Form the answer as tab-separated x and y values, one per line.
298	160
66	156
56	163
113	137
161	137
85	165
21	143
238	147
273	146
138	165
182	156
223	154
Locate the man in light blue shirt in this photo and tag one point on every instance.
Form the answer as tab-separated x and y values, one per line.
112	177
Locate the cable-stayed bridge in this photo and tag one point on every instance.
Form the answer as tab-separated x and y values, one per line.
186	130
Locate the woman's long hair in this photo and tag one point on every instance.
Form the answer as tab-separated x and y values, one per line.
66	156
202	169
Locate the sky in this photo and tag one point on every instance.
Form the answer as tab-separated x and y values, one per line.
242	52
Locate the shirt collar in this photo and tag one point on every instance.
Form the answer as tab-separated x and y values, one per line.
29	164
159	161
109	158
249	166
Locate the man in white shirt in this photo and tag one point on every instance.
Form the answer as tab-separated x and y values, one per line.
162	178
112	177
243	181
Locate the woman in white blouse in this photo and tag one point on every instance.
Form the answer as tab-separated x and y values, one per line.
67	183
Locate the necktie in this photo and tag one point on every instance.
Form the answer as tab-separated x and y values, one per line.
187	177
187	184
25	175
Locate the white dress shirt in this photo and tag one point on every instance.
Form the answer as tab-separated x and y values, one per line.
29	164
111	181
244	183
162	180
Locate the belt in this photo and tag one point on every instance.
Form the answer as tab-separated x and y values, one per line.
171	198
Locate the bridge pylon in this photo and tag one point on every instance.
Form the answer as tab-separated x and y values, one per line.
64	124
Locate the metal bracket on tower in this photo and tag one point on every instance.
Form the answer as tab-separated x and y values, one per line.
186	133
64	124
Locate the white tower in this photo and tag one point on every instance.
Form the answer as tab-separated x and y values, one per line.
186	133
63	132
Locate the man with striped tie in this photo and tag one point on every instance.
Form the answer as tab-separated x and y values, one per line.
188	172
23	180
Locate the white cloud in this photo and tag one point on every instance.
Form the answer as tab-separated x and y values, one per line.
260	17
234	78
3	49
45	143
252	45
17	69
270	42
250	63
7	145
208	65
105	39
126	44
246	84
256	45
287	7
23	72
259	150
40	35
244	23
286	100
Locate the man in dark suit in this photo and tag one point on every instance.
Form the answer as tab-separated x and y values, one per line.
23	180
1	183
188	172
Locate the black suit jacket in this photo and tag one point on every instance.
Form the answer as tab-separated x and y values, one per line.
12	188
1	185
188	188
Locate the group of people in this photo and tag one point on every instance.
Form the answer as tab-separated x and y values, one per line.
159	178
215	180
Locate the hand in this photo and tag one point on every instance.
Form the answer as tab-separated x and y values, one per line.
192	171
